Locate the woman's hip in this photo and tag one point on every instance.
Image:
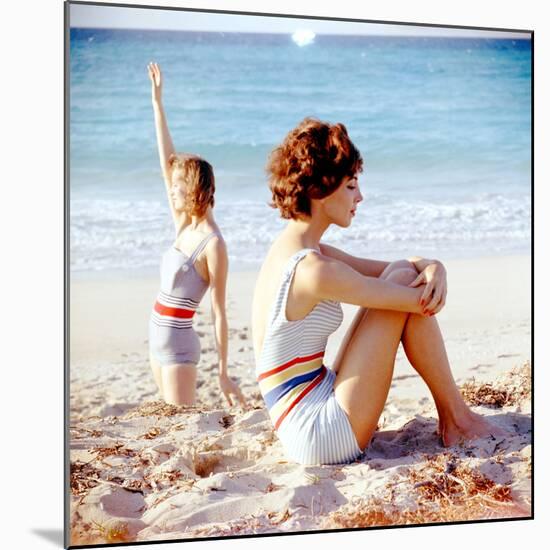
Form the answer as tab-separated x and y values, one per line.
171	345
320	431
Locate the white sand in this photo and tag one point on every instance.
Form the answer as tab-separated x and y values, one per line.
183	473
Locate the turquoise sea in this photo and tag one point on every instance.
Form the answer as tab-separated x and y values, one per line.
444	127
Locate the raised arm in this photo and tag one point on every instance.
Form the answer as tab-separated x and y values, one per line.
164	140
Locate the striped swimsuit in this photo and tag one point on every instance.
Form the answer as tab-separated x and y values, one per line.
297	387
171	336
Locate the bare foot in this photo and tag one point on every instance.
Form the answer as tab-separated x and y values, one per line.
474	426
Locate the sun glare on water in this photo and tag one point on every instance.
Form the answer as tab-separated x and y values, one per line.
303	37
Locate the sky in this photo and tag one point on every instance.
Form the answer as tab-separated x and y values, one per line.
168	19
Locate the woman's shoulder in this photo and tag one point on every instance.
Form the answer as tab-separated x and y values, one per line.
209	233
283	255
215	244
316	272
308	265
312	260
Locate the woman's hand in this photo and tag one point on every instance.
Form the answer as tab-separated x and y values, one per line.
229	387
156	82
434	276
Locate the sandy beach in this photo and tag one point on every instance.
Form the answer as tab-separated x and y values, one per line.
143	470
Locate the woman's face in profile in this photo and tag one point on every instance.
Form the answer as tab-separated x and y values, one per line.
340	207
177	191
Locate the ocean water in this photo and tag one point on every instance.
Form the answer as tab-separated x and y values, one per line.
443	125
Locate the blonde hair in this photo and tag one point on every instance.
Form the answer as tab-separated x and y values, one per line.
198	176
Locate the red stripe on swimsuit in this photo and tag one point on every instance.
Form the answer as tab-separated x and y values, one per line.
180	313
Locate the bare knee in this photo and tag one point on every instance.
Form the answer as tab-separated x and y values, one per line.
402	276
394	266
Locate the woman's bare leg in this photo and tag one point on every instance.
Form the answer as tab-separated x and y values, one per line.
179	383
176	383
424	347
156	368
365	366
400	264
425	350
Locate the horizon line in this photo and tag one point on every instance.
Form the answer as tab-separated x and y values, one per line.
524	35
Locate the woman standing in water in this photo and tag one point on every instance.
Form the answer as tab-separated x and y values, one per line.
327	416
197	260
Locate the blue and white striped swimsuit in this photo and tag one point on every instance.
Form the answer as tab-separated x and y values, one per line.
297	387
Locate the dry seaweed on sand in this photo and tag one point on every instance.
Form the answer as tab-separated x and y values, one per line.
377	513
78	432
151	433
159	408
116	450
443	478
512	388
443	490
83	477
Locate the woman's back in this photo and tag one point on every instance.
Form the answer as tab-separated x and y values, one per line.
264	296
268	285
290	358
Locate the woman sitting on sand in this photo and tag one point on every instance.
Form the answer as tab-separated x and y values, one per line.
322	415
197	260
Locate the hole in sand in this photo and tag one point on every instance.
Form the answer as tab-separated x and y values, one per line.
206	463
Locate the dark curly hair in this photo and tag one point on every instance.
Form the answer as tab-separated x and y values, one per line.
311	163
200	185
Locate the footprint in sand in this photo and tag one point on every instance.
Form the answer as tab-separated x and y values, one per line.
481	366
117	409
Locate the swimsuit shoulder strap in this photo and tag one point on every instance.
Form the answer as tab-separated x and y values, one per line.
288	274
201	246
